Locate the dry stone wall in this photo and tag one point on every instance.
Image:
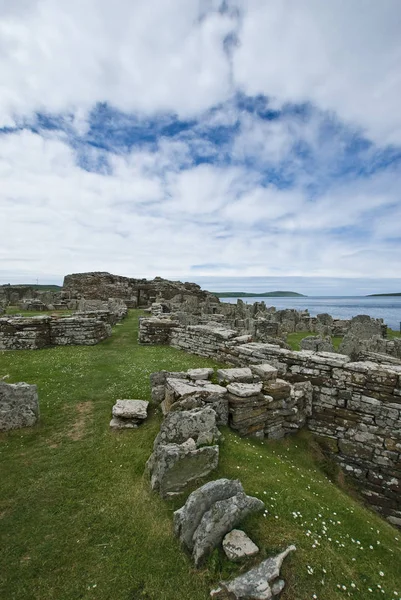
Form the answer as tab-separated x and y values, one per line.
354	407
34	333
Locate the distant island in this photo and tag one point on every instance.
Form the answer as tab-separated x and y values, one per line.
278	294
395	294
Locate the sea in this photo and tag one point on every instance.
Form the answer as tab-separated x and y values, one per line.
387	308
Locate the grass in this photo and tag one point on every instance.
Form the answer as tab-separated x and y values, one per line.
391	333
78	520
294	339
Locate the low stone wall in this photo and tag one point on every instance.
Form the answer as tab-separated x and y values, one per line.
355	406
24	333
156	331
19	405
34	333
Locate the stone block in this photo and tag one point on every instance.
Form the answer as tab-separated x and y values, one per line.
19	405
237	545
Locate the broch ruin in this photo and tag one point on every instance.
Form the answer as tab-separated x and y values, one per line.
350	400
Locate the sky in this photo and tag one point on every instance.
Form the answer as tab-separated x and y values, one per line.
199	139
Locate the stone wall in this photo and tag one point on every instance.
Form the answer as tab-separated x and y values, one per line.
134	292
34	333
156	331
19	405
355	406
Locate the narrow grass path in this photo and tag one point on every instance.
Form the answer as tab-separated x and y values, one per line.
78	521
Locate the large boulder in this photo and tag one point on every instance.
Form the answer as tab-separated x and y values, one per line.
260	583
19	405
223	516
198	424
188	517
174	466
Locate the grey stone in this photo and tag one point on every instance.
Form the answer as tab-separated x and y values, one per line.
264	371
188	517
19	405
197	374
174	466
237	545
245	390
117	423
135	410
243	375
260	583
218	520
179	426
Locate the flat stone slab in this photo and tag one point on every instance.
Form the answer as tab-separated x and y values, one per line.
237	545
197	374
131	409
245	390
243	375
265	371
182	387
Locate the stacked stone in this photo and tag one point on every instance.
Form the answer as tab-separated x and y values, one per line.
33	305
188	390
129	414
156	331
204	340
246	402
317	344
112	310
78	331
24	333
19	405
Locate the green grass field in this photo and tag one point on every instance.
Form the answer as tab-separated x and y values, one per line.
78	520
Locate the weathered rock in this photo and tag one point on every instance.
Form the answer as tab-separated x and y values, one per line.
237	545
19	405
243	375
264	371
260	583
117	423
188	517
135	410
198	374
244	390
178	427
218	520
317	344
174	466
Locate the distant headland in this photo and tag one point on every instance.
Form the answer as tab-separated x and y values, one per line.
394	294
277	294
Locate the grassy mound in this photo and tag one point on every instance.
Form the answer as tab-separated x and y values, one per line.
78	520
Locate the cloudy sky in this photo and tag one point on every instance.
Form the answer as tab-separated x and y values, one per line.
200	138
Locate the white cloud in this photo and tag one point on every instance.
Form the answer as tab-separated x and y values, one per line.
139	56
138	221
342	56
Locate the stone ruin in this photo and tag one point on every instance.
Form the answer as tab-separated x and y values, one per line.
354	407
19	405
186	450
